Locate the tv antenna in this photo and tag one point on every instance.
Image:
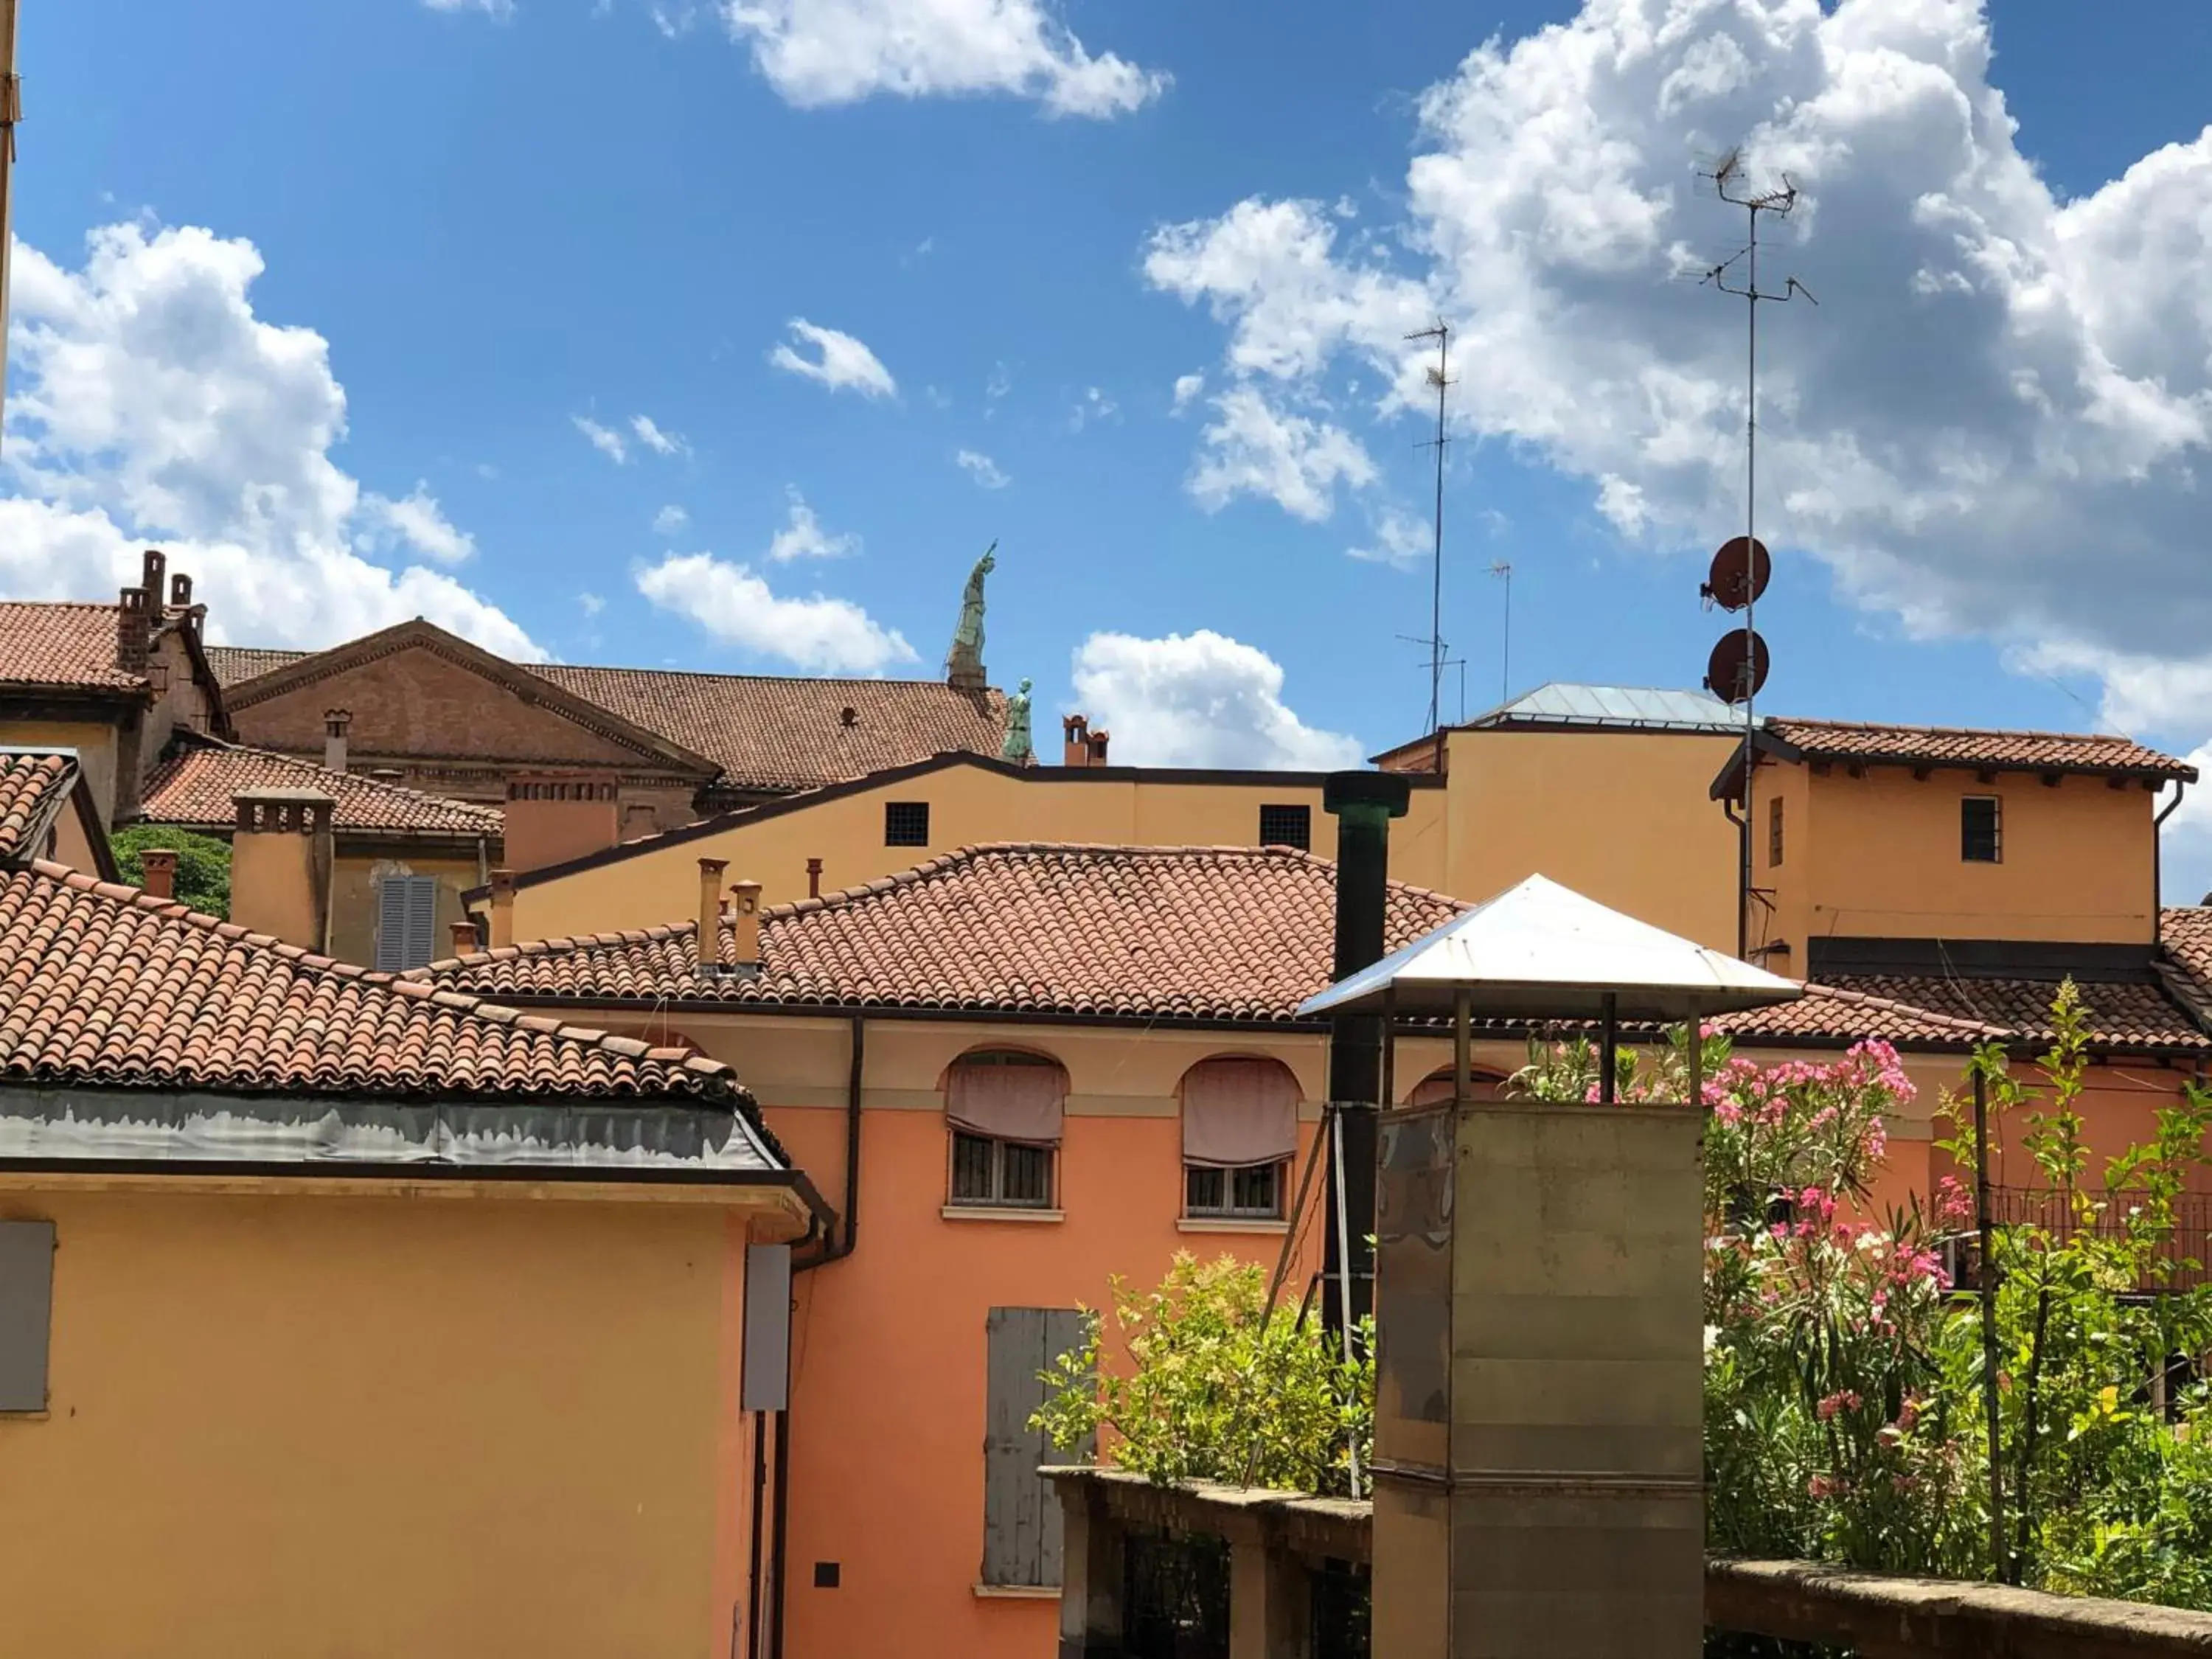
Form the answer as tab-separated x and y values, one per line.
1503	572
1738	668
1439	376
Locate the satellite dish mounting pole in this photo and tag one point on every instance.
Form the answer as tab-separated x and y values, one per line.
1730	182
1440	378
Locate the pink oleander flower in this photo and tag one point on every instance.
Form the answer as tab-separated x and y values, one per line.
1820	1485
1843	1399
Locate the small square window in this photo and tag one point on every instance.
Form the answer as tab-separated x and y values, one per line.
993	1173
1981	830
1774	832
1286	826
906	824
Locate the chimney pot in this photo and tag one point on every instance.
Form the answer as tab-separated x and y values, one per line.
502	907
180	590
132	630
1099	740
334	722
152	578
814	878
707	944
1075	730
160	863
465	939
745	907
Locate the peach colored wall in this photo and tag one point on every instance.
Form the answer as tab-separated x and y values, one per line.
95	752
968	804
2078	860
328	1425
1786	916
1624	818
353	901
272	886
72	845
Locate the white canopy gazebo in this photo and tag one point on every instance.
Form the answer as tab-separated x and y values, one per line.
1540	951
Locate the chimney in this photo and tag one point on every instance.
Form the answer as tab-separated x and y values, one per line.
1363	804
279	864
181	592
1075	730
465	939
160	865
502	907
1097	749
335	721
744	918
814	878
133	628
708	945
154	577
552	817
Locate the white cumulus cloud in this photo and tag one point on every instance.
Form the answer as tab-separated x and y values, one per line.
1254	447
671	519
1995	422
659	442
499	11
842	360
1198	698
982	469
605	439
828	635
802	537
1398	539
838	51
151	406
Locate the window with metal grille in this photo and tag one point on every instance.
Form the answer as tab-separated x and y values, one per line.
1981	830
906	824
1286	826
1001	1172
1774	832
406	922
1256	1193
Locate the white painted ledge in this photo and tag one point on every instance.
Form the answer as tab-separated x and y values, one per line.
988	1212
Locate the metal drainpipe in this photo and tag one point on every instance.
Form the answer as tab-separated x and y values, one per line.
1363	803
1742	881
833	1249
2158	856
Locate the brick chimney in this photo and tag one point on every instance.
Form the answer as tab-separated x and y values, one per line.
181	592
1075	730
334	722
744	917
279	864
1097	743
154	576
814	878
552	817
708	942
133	630
502	907
465	939
160	863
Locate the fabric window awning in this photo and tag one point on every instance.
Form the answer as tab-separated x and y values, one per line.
1022	1104
1239	1113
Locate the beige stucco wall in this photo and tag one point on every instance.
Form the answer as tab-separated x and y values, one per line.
354	882
96	751
312	1425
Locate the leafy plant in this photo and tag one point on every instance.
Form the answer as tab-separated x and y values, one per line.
203	864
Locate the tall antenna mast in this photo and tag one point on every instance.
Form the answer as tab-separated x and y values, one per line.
1739	573
1440	378
1503	572
11	112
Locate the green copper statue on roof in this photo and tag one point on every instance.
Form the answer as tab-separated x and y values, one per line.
1017	747
963	665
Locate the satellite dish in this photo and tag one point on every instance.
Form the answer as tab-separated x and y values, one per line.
1739	576
1736	672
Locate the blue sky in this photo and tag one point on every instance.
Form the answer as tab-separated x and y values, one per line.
370	275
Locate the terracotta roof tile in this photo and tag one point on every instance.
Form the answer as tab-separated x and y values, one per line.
63	644
1933	745
195	787
28	783
2123	1015
772	733
2185	930
1833	1013
1192	933
103	985
234	664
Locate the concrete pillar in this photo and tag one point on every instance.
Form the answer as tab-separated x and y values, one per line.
1270	1606
1093	1553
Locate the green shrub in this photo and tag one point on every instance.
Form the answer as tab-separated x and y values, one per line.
203	864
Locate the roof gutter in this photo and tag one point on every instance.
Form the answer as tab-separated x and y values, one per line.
2157	854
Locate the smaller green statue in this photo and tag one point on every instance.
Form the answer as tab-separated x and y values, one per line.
1017	747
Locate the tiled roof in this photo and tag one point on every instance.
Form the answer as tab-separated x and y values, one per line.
103	985
2185	930
1188	932
61	645
1830	1013
768	732
233	664
2123	1015
195	787
28	783
1932	745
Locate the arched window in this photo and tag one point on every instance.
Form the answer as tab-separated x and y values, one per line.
1004	1109
1240	1132
1436	1089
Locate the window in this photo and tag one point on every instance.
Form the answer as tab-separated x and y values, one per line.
1774	832
406	922
1286	826
906	824
1021	1514
27	1302
1240	1131
1004	1110
1981	832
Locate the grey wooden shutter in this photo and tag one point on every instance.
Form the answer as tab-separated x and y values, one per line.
27	1305
406	922
1021	1515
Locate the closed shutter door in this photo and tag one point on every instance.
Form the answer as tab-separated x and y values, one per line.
27	1296
1021	1513
406	922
